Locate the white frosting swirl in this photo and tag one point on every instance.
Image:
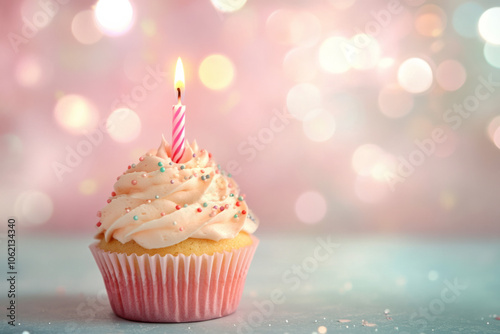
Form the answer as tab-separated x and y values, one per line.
158	203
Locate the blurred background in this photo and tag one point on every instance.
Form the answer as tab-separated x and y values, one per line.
353	117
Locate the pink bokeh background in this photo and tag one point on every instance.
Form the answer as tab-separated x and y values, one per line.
314	138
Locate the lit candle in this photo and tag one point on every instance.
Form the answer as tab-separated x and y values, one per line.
178	119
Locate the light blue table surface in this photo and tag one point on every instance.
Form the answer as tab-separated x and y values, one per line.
427	285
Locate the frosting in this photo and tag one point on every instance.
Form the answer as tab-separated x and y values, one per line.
159	203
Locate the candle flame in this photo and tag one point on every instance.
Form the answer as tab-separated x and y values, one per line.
179	75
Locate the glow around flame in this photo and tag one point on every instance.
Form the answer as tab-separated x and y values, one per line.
179	75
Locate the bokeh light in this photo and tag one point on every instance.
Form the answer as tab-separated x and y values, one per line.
333	54
492	127
310	207
492	54
348	110
447	200
149	28
33	207
496	138
433	275
228	6
216	72
430	21
450	75
123	125
489	25
342	4
302	99
365	158
87	187
76	114
11	143
394	102
369	190
466	18
415	75
114	17
319	125
385	63
28	71
363	52
300	64
84	28
292	27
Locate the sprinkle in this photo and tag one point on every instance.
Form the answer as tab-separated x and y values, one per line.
194	155
238	203
149	201
170	163
127	210
144	175
222	208
182	166
228	174
231	195
113	193
205	204
178	207
174	223
129	167
240	198
117	178
202	171
216	171
229	185
195	174
226	206
141	158
210	155
185	177
109	200
181	228
98	213
218	166
162	214
157	196
199	210
136	217
244	212
133	165
185	205
171	181
160	163
134	182
212	214
162	169
98	224
190	177
208	176
203	177
215	207
235	216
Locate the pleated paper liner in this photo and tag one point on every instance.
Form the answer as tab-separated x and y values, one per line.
174	288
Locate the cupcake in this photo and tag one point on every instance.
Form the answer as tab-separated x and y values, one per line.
175	239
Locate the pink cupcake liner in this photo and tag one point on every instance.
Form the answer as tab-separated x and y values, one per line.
174	288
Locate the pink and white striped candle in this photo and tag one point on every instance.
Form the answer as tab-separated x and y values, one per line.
178	119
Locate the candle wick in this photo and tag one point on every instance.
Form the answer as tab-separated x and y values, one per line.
179	95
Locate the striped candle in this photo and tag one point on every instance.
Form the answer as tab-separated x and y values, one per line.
178	119
178	127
